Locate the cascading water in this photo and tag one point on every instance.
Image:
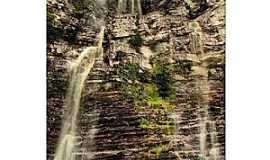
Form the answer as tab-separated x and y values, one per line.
132	6
121	6
79	71
204	90
205	120
203	116
214	151
135	6
139	7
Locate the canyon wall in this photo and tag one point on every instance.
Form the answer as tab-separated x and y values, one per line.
187	37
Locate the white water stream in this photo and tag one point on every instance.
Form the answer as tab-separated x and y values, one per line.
79	72
135	7
205	120
132	6
139	7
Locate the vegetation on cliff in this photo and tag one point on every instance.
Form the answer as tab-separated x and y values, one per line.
136	41
150	62
150	90
54	30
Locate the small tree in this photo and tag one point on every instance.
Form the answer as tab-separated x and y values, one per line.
163	80
120	56
129	71
136	41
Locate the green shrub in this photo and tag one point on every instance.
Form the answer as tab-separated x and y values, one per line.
159	103
120	56
169	128
136	41
151	91
156	94
132	91
159	149
129	71
162	78
153	98
199	158
145	123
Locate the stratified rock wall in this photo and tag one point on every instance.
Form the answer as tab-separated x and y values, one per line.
109	125
69	32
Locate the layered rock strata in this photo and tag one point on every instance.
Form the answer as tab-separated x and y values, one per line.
109	123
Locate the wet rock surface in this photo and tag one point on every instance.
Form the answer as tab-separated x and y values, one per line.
109	127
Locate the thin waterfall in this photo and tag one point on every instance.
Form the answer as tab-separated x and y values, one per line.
99	46
204	90
205	120
203	133
124	6
121	6
214	151
139	7
135	7
202	84
132	6
79	72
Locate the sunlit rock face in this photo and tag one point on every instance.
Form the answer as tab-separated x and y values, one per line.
189	34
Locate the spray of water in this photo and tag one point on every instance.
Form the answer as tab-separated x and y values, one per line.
79	71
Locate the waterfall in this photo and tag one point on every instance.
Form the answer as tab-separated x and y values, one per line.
121	6
132	6
139	7
213	151
135	6
213	135
204	90
79	71
205	120
99	46
203	133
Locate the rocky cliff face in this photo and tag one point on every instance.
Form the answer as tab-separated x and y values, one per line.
158	90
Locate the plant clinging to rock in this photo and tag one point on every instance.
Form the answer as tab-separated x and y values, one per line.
136	41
